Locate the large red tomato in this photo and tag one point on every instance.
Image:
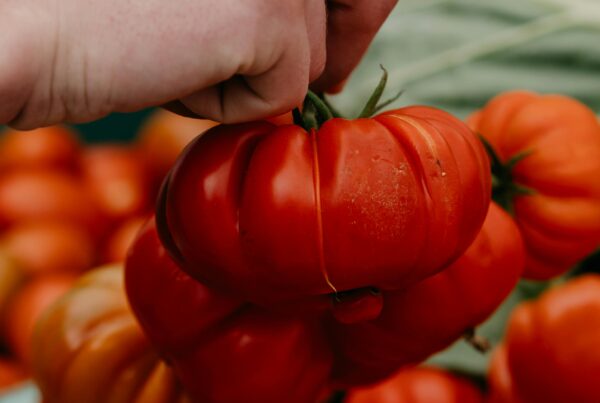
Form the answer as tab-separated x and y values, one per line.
551	351
418	385
548	149
431	315
223	350
276	213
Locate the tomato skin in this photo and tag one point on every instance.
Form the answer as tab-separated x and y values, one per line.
551	344
431	315
118	243
501	389
560	222
284	225
89	348
11	279
43	247
27	307
11	374
117	179
164	135
418	385
214	341
31	195
54	147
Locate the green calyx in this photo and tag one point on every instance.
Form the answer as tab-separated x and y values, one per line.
504	188
316	109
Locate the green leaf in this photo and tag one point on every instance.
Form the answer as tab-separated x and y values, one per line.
457	54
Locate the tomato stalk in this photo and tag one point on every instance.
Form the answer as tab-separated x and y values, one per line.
373	106
316	109
476	341
504	188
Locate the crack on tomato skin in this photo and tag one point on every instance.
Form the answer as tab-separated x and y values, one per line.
319	210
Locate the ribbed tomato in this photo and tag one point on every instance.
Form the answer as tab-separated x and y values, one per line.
418	385
548	149
551	351
278	213
429	316
223	350
90	348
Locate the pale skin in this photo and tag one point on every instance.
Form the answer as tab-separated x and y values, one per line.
226	60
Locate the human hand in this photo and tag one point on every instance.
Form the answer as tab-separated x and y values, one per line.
227	60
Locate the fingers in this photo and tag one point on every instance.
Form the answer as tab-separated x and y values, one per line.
351	26
261	90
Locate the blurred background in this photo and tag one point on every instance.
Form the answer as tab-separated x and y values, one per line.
456	55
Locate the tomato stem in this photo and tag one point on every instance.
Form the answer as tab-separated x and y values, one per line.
373	106
479	343
504	188
315	112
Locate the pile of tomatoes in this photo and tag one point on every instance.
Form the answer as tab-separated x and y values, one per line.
66	207
313	260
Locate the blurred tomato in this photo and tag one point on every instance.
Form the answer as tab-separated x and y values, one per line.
11	373
27	307
418	385
164	136
89	348
501	388
32	195
117	178
47	147
118	243
49	246
11	278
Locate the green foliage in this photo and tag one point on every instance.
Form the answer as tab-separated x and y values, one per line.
457	54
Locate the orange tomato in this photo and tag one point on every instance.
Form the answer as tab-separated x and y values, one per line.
500	380
118	243
49	246
11	373
164	136
552	352
418	385
118	180
26	308
11	278
89	348
55	147
548	170
32	195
